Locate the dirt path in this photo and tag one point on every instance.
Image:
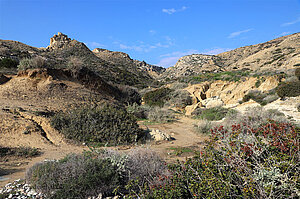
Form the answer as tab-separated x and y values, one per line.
181	131
184	137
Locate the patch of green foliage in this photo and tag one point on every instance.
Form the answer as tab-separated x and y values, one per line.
21	151
8	63
96	171
181	150
212	114
225	76
157	97
243	162
75	176
288	89
100	124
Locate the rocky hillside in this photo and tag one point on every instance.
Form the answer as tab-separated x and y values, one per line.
123	60
64	52
276	55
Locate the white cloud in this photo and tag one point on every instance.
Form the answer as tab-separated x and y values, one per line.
235	34
170	59
173	10
94	44
135	48
152	32
215	51
291	22
142	47
283	34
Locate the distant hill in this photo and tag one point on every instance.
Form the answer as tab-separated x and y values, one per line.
109	65
276	55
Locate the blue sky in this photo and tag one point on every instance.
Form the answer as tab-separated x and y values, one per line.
157	31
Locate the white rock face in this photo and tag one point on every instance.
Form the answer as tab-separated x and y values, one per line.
157	135
212	102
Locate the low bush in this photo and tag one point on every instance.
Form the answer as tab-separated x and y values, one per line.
130	95
100	124
261	98
21	151
212	114
244	162
8	63
179	98
105	172
29	63
139	111
161	115
253	116
75	176
203	126
157	97
178	85
289	89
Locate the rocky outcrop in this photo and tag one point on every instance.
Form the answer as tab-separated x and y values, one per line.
193	65
123	60
278	55
59	40
223	93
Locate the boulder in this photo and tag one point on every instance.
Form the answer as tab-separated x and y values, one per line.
213	102
157	135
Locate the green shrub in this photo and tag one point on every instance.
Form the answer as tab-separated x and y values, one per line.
160	115
289	89
139	111
100	124
203	126
130	94
157	97
243	162
21	151
29	63
297	73
8	63
212	114
179	98
96	171
75	176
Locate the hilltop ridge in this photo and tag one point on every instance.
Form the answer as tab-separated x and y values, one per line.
279	55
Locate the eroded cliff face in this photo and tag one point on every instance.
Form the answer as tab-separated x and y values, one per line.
224	93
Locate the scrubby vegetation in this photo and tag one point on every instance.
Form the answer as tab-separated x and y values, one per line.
152	114
243	162
179	98
8	63
21	151
225	76
157	97
288	89
100	124
261	98
105	172
211	114
29	63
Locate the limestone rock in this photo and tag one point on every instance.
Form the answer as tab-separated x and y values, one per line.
58	40
157	135
213	102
